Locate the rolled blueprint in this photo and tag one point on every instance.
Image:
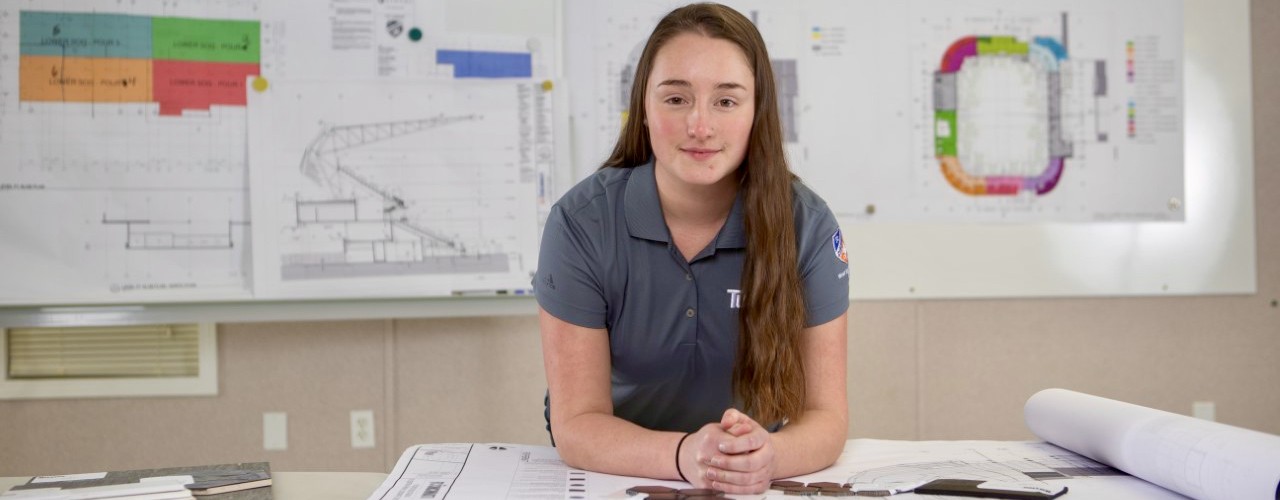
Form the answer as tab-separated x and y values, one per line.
1198	458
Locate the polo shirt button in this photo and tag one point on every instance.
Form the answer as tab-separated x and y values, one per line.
689	313
688	276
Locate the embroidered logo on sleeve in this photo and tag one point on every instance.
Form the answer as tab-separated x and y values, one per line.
837	244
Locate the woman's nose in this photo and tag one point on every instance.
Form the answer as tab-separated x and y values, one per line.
698	123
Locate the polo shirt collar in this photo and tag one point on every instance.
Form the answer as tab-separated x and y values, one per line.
644	212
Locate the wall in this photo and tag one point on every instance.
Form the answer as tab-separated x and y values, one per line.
939	369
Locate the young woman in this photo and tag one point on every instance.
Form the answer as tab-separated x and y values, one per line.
693	292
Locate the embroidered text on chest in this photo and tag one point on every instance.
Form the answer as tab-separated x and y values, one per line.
735	298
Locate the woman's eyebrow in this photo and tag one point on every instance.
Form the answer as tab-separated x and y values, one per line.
683	83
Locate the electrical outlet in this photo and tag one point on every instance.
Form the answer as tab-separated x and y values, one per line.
1204	410
362	433
275	431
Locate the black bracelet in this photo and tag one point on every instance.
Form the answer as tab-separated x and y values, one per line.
681	443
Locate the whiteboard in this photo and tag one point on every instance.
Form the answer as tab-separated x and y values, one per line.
1212	251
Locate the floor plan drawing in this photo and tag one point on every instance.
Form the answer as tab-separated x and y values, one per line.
999	112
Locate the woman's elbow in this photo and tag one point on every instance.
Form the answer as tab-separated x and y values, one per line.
573	449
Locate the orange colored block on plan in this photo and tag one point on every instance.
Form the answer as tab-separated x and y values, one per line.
84	79
960	179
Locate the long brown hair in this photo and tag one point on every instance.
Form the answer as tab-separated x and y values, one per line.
768	375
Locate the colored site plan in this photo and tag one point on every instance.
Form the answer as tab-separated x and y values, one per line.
179	63
1040	113
122	149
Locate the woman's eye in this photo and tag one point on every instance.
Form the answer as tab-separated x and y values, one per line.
727	103
675	100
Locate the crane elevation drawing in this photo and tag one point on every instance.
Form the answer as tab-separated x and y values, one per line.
368	227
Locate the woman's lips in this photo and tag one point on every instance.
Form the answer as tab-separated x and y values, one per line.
700	154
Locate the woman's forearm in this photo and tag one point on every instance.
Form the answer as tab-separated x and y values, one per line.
605	443
811	444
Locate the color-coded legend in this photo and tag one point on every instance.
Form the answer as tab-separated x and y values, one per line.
1128	60
1132	119
180	63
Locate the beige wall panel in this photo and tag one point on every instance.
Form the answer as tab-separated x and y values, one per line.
84	435
882	370
316	372
1265	18
469	380
983	359
1266	131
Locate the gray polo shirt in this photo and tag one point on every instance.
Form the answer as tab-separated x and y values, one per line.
607	261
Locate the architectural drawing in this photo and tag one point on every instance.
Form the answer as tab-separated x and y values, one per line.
162	234
369	226
403	188
122	150
1007	136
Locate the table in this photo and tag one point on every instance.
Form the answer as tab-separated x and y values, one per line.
500	469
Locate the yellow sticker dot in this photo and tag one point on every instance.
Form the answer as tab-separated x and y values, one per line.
260	84
547	85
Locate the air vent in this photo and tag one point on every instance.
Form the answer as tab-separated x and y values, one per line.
85	361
